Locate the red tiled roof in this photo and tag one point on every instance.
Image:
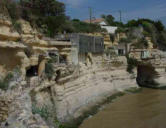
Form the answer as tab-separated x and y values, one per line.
95	21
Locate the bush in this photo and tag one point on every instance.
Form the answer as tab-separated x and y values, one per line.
125	40
49	70
13	9
16	26
83	27
132	63
112	37
121	30
4	84
43	112
141	44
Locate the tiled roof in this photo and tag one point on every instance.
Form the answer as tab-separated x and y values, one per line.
95	21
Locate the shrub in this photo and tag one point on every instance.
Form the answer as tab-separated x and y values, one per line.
16	26
125	40
43	112
58	124
49	70
4	84
132	63
121	30
142	43
112	37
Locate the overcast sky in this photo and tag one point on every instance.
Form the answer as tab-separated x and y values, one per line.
154	9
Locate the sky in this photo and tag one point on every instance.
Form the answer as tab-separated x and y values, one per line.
131	9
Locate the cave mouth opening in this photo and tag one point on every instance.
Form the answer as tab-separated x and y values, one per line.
58	72
63	59
32	71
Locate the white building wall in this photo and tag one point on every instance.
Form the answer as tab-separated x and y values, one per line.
110	29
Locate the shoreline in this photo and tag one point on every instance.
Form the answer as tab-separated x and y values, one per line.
92	110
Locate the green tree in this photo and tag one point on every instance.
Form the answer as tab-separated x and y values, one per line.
109	19
160	27
48	12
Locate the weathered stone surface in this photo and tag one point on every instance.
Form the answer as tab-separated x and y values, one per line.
12	44
5	22
6	34
4	16
90	88
26	27
20	114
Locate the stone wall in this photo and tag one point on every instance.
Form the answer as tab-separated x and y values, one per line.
4	108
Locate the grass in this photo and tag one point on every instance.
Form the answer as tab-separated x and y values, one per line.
133	90
48	116
43	111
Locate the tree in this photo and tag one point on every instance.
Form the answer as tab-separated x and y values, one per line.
45	7
79	26
160	27
48	12
109	19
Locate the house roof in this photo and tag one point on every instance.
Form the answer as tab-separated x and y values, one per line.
95	21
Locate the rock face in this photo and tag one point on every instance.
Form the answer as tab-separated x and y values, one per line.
4	108
91	88
16	110
149	76
86	86
146	75
10	43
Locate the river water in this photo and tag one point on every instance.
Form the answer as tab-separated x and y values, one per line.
146	109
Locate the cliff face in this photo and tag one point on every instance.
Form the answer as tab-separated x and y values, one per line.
73	93
73	98
73	90
10	44
87	86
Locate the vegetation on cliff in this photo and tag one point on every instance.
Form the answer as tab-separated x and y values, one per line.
146	75
48	16
141	28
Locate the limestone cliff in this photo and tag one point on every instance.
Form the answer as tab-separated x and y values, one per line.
10	44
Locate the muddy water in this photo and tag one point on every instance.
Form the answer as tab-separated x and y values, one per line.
146	109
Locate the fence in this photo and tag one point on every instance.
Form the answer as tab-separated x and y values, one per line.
86	43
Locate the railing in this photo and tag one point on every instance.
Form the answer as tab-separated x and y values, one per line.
63	37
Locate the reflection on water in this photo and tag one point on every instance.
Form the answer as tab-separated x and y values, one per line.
146	109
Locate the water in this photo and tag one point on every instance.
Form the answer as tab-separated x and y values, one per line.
146	109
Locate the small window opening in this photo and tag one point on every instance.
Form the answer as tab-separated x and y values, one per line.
120	52
32	71
63	59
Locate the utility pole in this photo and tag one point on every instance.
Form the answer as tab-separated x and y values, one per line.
120	15
90	15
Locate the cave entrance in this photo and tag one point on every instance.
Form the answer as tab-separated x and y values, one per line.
63	59
58	72
32	71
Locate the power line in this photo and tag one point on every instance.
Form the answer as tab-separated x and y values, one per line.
90	15
120	15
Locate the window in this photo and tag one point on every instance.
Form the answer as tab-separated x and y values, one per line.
121	52
142	54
